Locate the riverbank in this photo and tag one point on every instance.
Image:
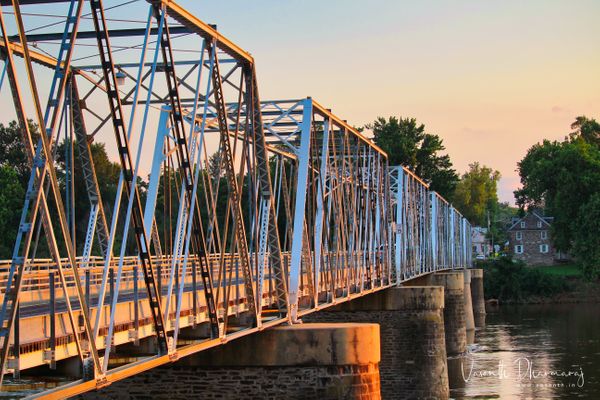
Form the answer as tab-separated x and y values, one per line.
579	291
509	282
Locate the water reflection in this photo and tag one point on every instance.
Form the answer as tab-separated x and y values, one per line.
532	352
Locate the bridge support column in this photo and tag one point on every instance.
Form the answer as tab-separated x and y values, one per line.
469	319
304	361
413	362
454	310
478	298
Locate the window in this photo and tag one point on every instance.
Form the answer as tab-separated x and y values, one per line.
519	235
539	224
544	235
543	248
523	224
519	249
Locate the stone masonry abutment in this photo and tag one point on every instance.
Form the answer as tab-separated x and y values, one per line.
305	361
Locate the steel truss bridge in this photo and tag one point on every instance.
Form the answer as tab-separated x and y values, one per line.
297	210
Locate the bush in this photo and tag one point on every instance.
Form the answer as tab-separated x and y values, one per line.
511	281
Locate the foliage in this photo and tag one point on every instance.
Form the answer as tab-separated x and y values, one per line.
563	177
586	129
510	281
11	149
502	221
407	144
586	239
476	194
11	202
107	173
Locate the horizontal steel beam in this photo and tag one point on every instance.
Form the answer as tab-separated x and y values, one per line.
319	109
47	61
32	2
40	37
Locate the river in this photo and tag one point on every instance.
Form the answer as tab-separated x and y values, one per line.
532	352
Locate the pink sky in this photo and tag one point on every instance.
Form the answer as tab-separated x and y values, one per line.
491	78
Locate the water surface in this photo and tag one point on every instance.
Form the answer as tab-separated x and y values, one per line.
532	352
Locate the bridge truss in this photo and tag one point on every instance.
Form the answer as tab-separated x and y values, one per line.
254	212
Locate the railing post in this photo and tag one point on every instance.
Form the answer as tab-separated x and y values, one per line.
17	343
111	279
136	304
194	293
87	290
159	280
52	321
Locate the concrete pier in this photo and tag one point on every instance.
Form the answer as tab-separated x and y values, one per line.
305	361
413	362
454	310
469	319
478	297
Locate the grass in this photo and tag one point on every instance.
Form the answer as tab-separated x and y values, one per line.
512	282
564	270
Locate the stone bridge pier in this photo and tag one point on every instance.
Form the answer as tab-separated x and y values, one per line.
454	310
413	352
478	299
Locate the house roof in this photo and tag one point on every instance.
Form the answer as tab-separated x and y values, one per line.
543	219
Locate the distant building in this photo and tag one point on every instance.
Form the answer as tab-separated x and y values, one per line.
529	240
481	245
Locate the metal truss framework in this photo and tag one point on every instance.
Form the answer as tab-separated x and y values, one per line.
294	212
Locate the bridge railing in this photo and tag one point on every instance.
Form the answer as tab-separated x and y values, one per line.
428	233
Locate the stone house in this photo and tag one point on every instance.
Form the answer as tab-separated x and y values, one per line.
481	245
529	240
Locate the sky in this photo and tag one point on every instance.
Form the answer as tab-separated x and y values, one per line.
491	78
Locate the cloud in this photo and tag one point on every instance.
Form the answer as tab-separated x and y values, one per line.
560	110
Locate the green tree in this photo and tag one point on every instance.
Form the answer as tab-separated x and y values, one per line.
500	224
11	202
586	129
406	143
560	177
476	194
564	177
586	241
12	152
107	174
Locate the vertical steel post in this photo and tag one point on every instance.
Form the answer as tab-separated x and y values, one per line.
319	222
303	154
400	228
433	229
